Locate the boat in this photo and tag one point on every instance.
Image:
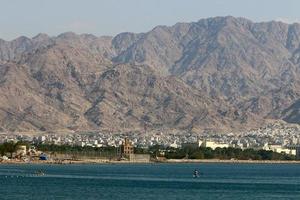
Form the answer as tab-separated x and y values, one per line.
39	173
196	173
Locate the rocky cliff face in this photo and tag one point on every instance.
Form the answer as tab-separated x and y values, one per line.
220	73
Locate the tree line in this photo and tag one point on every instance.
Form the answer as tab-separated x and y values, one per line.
107	151
225	154
8	148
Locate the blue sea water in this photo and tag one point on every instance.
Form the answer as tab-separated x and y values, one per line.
150	181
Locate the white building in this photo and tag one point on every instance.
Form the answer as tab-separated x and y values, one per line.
213	145
174	145
280	149
22	150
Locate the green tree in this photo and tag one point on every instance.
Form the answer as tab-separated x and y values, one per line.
10	147
197	155
2	151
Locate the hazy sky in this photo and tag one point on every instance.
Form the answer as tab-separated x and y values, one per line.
109	17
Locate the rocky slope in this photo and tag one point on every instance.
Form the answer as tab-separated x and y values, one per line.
220	73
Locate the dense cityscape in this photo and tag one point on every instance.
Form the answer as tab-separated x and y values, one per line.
278	137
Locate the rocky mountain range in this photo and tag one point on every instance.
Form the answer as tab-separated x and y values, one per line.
217	74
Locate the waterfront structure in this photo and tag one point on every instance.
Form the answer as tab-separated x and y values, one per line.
127	147
144	158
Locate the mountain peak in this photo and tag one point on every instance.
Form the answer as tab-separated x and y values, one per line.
21	39
222	73
40	37
68	35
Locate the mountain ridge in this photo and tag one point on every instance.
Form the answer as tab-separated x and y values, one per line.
218	74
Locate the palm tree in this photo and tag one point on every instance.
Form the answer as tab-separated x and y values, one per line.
10	147
2	151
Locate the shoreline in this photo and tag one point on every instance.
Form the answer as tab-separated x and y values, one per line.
168	161
233	161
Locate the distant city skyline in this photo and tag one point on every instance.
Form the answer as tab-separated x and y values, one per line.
110	17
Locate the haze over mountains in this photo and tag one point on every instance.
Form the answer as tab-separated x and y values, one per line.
221	73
